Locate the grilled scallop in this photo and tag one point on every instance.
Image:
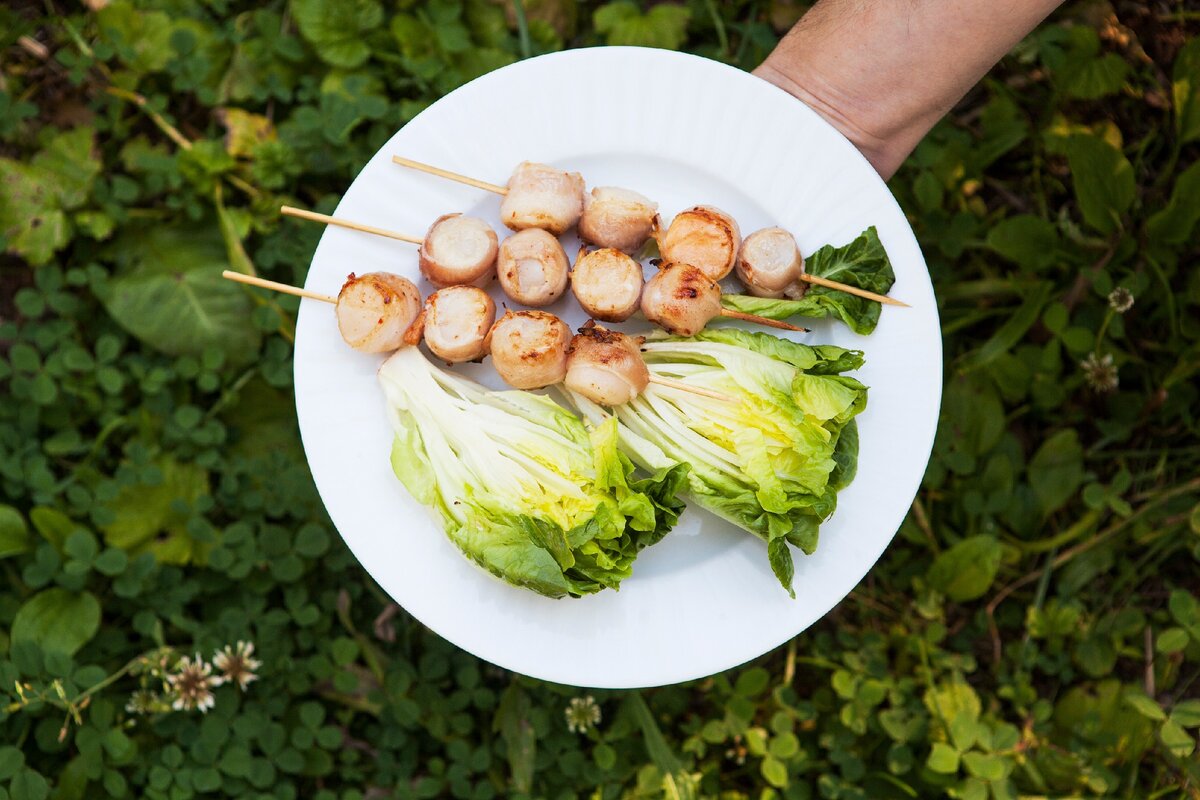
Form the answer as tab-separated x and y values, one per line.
540	196
458	251
703	236
375	311
770	264
681	299
607	283
529	348
617	218
456	323
605	366
533	267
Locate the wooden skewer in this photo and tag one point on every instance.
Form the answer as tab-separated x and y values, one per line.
854	290
445	173
263	283
275	286
687	387
491	187
771	323
313	216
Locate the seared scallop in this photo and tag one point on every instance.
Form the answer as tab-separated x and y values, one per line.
458	251
606	366
617	218
374	311
540	196
533	267
607	283
529	348
457	320
770	264
703	236
681	299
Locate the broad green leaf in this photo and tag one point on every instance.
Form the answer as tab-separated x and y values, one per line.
774	772
35	198
1056	470
146	519
966	570
53	525
985	765
1144	705
660	751
1176	739
337	28
1079	69
170	293
28	784
11	760
513	724
245	131
1173	224
943	759
622	22
1013	330
1185	90
1025	240
952	699
1103	181
57	620
14	534
1186	714
142	38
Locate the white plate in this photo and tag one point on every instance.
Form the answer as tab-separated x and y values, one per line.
682	130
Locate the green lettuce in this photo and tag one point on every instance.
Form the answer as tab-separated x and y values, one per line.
862	263
772	460
521	486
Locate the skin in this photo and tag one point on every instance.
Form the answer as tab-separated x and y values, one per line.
375	311
883	73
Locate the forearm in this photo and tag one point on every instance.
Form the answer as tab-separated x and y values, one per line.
884	71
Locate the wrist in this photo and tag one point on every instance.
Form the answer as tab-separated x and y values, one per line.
864	121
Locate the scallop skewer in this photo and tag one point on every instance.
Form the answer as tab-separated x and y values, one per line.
456	250
682	300
529	349
700	226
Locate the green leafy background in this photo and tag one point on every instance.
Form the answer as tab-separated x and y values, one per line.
1033	631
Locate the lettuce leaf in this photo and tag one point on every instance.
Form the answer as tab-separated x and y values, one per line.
863	263
520	485
771	462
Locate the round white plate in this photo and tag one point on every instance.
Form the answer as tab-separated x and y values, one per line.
682	130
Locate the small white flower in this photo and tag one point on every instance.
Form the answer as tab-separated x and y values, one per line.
192	683
1100	372
237	664
143	701
1120	299
582	714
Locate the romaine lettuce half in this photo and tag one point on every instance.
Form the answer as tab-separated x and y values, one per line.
521	486
863	263
772	460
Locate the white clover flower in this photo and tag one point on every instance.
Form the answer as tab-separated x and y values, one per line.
1100	372
582	714
1120	299
192	683
237	664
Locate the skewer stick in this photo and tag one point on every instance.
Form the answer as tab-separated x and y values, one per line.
445	173
313	216
854	290
687	387
770	323
275	286
263	283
